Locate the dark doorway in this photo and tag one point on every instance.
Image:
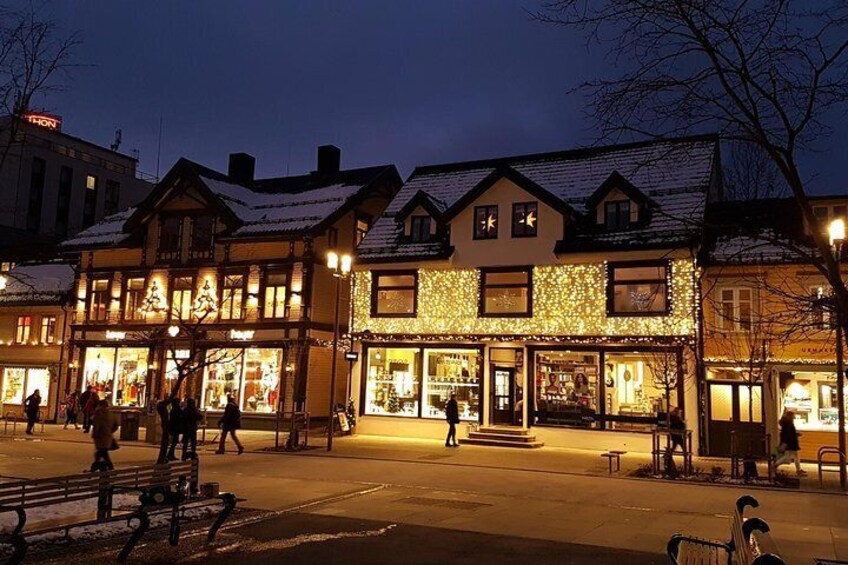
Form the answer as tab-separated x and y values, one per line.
735	415
503	395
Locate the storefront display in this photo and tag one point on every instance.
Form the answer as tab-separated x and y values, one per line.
118	374
635	385
451	371
221	377
567	388
393	384
811	397
20	382
251	375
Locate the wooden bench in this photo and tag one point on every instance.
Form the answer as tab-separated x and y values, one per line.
750	543
162	489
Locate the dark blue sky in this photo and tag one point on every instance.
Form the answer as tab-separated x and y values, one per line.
404	82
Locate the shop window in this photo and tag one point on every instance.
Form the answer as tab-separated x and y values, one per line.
13	385
506	293
48	330
451	371
394	294
182	297
361	230
222	377
419	229
617	215
118	374
567	388
22	329
721	403
175	359
637	290
260	387
170	238
202	234
735	309
751	404
98	300
525	219
812	398
485	222
393	382
232	298
635	386
275	295
133	298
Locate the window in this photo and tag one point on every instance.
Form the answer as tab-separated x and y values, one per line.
332	238
638	386
112	200
89	205
202	232
170	237
181	298
63	202
394	294
567	388
98	300
275	295
734	309
451	371
261	377
118	374
393	383
617	215
525	219
221	377
361	229
20	382
133	298
232	298
22	329
637	290
506	293
48	330
36	194
420	229
485	222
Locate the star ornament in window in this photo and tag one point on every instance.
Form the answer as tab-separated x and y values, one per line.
529	220
489	223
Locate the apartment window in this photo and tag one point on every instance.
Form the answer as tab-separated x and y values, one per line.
89	205
181	297
275	295
98	300
506	293
112	198
170	237
361	229
36	194
394	294
617	215
525	219
420	229
202	232
637	289
133	298
48	330
332	238
63	201
22	329
485	222
231	301
735	309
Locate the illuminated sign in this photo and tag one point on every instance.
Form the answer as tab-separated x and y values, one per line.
45	121
241	334
115	335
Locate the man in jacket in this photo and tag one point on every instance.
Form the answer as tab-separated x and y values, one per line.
229	423
452	416
104	426
33	402
83	402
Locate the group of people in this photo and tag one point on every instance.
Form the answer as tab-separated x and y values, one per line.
183	421
85	404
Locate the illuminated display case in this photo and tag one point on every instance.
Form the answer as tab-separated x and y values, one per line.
118	374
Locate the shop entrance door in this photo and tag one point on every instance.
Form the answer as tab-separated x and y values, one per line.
503	395
735	412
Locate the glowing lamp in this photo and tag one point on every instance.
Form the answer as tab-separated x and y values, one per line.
836	229
3	282
346	262
332	260
174	331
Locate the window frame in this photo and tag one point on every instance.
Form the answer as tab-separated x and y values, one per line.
25	327
163	254
263	293
481	299
47	330
412	224
90	297
524	205
222	298
375	289
617	204
207	252
734	325
611	284
487	208
172	289
136	316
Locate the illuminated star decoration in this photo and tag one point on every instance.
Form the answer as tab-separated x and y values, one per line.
489	223
529	219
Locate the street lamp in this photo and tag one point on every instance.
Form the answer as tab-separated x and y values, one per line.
3	282
340	267
836	230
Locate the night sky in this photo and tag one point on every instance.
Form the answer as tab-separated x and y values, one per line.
403	82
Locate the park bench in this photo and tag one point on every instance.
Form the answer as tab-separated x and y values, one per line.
750	543
163	489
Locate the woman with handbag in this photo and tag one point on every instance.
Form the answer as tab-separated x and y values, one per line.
104	426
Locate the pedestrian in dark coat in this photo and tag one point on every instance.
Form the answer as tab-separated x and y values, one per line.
88	408
789	444
175	427
72	407
229	423
191	419
452	416
677	430
104	426
33	402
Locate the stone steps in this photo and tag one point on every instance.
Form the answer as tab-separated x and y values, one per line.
502	437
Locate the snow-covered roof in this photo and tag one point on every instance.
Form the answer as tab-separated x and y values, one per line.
44	283
107	232
674	174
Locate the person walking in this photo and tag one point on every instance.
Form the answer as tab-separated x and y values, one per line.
191	418
72	404
452	416
88	404
677	429
175	427
789	444
104	426
229	423
33	402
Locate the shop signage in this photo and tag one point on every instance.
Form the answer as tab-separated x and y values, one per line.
45	121
115	335
241	335
351	356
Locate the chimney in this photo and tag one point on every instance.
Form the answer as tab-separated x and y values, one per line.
241	168
329	159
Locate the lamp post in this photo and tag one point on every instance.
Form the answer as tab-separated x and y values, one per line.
340	267
836	231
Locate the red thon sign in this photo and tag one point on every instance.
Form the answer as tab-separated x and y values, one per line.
44	120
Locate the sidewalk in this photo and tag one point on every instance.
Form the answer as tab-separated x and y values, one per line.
565	461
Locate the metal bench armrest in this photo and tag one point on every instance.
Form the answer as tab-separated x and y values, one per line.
22	517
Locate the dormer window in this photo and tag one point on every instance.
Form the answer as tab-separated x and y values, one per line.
617	215
202	232
419	229
485	222
525	219
170	236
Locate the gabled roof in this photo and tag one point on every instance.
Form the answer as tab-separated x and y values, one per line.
48	283
433	206
675	174
617	181
286	206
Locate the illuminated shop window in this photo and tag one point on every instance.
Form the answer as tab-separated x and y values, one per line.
182	297
20	382
567	388
452	371
98	300
812	398
118	374
251	376
393	382
634	386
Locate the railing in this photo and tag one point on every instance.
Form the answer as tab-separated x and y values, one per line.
746	450
10	416
660	454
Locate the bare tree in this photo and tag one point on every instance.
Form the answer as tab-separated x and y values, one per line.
749	174
769	73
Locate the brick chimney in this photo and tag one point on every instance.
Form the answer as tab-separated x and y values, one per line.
329	159
241	168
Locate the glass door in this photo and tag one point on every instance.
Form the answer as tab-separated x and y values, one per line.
503	395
